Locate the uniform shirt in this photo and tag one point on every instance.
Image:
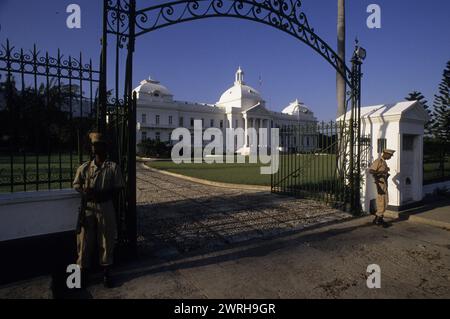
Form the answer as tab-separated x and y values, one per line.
107	177
104	178
380	170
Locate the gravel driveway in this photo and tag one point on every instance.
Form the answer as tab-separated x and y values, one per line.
177	216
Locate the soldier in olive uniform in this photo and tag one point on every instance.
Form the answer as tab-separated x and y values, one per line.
99	182
380	172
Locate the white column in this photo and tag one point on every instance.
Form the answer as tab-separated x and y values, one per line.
246	130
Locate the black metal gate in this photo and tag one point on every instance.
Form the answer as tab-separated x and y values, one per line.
315	163
123	23
48	104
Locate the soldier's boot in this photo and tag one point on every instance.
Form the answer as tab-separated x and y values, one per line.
379	221
107	279
375	221
383	223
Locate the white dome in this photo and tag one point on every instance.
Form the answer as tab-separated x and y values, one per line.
153	88
239	92
296	108
240	95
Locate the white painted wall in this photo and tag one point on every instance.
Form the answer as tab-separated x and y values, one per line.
29	214
392	122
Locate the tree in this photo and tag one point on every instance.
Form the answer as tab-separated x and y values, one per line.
418	96
441	125
340	80
441	114
154	148
38	119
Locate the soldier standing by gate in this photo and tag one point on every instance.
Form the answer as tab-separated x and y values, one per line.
380	172
99	182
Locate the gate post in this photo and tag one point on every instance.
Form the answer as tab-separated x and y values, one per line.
131	218
130	96
102	103
355	159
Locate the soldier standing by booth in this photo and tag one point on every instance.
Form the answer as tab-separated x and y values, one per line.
380	172
99	182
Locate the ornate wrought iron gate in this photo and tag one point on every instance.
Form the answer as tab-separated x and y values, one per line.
123	23
315	163
47	107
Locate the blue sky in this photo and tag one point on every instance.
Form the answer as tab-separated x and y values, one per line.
197	60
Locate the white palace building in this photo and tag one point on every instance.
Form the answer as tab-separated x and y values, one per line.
241	106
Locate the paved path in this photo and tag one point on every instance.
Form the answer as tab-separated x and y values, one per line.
177	216
434	212
255	245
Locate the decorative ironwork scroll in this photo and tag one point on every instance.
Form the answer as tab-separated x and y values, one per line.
285	15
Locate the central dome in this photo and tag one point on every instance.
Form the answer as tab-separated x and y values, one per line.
240	95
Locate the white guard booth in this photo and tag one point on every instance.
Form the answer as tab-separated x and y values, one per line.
399	127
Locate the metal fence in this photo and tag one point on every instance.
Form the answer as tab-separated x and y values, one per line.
315	160
436	161
47	106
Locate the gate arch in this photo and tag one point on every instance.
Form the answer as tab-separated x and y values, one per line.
124	23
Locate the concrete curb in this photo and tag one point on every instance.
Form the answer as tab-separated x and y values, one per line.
148	159
211	183
430	222
391	214
417	219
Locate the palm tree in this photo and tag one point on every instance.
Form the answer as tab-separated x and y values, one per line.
340	80
340	85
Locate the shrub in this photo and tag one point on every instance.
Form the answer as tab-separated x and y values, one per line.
154	148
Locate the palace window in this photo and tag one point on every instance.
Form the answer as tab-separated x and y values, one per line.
181	120
192	121
157	119
221	123
211	123
143	136
170	120
158	136
144	118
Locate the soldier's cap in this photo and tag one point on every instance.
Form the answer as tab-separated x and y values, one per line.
388	151
96	137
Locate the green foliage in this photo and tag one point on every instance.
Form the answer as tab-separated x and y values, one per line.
154	148
418	96
441	125
436	160
39	120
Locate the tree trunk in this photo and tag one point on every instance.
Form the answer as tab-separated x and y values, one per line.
340	80
340	95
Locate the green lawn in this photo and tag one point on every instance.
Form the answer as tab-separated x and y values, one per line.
432	171
308	168
53	169
226	173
